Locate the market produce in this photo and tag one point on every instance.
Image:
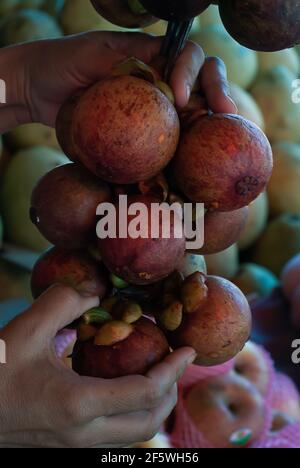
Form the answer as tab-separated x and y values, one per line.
255	281
247	106
256	222
267	26
228	411
283	188
28	25
207	301
7	6
125	128
223	161
119	348
287	58
279	243
25	168
143	260
224	263
172	9
128	13
64	205
241	63
14	281
79	16
286	398
255	365
290	276
221	230
273	93
32	134
76	269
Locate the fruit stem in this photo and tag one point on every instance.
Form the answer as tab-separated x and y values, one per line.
96	315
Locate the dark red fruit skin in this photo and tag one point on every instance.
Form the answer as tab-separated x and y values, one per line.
219	328
118	12
223	161
174	9
142	261
71	268
267	25
126	130
64	204
221	230
145	347
63	126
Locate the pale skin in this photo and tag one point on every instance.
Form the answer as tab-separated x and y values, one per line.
43	403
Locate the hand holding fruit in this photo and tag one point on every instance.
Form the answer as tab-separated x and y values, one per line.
45	404
45	81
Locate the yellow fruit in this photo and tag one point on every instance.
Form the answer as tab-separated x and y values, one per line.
225	264
284	186
256	222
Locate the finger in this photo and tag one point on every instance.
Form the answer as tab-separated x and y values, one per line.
94	397
123	430
213	81
139	45
186	72
53	310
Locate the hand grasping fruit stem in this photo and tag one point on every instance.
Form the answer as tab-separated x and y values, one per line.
39	83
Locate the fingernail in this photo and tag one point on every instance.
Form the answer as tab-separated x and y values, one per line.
191	359
232	102
188	90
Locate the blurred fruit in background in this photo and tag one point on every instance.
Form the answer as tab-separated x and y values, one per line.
1	232
273	93
255	281
53	7
284	186
79	16
158	29
7	6
279	243
246	105
15	282
23	172
287	58
241	63
225	264
28	25
256	222
33	134
210	16
193	263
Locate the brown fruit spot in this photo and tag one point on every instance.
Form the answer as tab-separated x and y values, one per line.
246	185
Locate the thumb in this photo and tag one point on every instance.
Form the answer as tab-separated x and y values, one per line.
54	310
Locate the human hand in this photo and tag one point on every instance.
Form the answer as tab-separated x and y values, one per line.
55	69
45	404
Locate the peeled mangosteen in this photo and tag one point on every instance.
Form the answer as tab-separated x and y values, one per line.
267	25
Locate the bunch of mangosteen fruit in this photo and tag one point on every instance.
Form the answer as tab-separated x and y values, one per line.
125	136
